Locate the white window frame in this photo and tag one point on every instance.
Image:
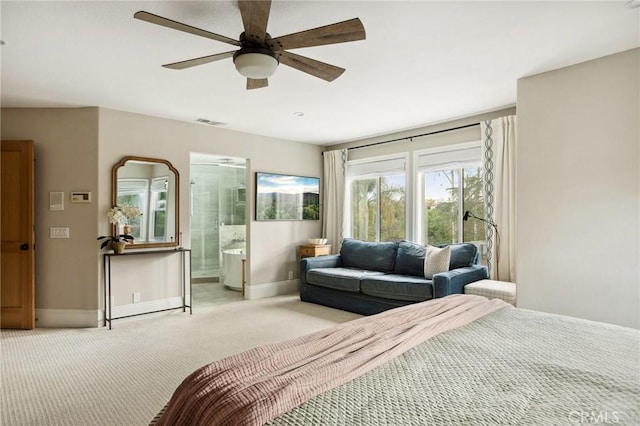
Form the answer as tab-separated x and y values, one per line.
158	184
375	167
137	186
444	157
456	156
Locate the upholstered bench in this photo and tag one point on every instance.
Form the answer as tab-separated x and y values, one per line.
493	290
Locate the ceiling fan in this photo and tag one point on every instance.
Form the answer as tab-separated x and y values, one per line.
259	54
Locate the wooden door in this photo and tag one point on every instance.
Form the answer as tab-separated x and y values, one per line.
17	270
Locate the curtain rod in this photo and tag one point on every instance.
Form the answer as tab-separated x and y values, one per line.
415	136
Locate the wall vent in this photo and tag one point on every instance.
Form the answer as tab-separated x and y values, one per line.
210	122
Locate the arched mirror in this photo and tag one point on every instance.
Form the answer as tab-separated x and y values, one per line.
149	186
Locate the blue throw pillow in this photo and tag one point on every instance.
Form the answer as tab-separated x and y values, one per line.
365	255
462	255
410	259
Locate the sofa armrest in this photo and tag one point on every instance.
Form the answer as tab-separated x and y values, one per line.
453	282
330	261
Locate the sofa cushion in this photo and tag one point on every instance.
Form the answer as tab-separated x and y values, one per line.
378	256
437	261
345	279
410	259
397	287
462	255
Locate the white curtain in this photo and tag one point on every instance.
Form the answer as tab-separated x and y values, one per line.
333	197
499	161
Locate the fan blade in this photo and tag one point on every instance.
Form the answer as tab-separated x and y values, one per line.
311	66
159	20
255	15
340	32
253	83
199	61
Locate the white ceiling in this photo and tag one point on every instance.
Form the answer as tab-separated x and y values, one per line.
421	63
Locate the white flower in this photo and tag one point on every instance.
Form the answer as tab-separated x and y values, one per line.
119	214
115	215
131	212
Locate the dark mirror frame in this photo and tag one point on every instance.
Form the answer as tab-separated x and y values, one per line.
114	198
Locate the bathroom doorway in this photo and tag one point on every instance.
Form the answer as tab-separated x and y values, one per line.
218	227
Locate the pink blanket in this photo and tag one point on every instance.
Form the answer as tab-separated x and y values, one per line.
260	384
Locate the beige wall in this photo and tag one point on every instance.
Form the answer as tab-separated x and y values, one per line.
75	150
271	245
578	190
66	145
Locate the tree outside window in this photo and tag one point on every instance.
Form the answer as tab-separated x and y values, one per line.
444	189
448	182
378	208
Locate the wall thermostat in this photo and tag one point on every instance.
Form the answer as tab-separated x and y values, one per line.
80	197
56	201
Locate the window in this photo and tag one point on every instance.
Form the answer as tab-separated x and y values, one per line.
441	206
451	184
378	203
133	192
424	203
158	217
448	194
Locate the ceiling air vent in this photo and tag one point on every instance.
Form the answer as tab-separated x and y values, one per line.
210	122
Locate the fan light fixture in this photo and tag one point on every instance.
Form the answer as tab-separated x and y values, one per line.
260	54
255	63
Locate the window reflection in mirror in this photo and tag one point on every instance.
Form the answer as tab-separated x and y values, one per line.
152	186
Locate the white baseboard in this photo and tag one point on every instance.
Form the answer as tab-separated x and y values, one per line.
68	318
260	291
80	318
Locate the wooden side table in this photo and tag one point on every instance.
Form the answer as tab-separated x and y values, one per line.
309	250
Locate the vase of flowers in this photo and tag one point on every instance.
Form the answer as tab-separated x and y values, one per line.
122	215
116	216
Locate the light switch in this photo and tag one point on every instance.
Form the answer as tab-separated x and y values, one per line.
57	232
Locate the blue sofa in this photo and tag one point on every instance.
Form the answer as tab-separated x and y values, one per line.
368	278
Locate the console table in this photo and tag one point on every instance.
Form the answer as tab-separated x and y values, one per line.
106	269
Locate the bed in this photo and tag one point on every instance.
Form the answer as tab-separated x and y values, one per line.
461	359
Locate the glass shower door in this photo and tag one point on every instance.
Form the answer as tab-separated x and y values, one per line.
205	226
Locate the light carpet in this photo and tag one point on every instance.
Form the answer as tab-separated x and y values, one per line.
125	376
